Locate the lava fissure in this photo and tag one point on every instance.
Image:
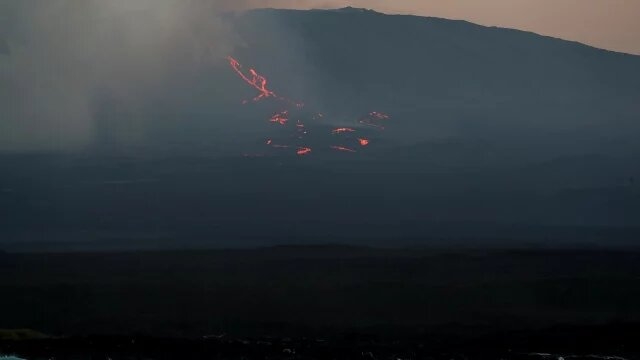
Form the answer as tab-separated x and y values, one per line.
259	82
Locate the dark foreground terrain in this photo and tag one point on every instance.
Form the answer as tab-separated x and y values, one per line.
323	302
605	342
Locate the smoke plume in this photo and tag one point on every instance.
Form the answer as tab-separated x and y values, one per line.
58	57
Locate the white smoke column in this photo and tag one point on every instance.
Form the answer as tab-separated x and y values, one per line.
61	52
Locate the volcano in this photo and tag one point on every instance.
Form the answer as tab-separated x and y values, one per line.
354	126
443	79
303	128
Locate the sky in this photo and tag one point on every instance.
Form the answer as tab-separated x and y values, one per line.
608	24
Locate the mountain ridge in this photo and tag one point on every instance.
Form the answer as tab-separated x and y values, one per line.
349	10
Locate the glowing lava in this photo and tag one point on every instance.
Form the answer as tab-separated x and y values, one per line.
257	81
281	117
342	130
291	110
342	148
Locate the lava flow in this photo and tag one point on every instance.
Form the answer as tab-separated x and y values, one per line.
281	118
258	81
291	109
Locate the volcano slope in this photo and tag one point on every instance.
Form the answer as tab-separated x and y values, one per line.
492	134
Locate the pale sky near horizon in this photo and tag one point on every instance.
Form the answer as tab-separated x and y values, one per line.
608	24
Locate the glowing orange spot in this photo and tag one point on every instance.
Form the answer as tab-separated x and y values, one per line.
342	148
281	117
342	130
363	142
303	151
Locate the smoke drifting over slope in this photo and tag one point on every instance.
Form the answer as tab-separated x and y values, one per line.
63	58
153	74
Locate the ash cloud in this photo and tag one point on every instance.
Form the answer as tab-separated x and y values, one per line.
59	60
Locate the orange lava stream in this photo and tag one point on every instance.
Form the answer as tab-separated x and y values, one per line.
280	118
363	142
342	148
257	81
303	151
